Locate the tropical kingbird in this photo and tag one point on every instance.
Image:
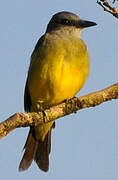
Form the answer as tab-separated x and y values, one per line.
58	69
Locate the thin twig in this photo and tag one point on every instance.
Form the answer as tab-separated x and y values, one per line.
114	1
106	6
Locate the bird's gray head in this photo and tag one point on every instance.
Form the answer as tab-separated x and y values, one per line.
67	20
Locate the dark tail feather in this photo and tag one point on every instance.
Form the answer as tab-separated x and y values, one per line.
36	150
30	150
42	152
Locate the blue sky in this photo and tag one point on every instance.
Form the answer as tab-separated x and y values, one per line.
84	145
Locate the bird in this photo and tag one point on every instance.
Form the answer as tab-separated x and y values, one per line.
58	69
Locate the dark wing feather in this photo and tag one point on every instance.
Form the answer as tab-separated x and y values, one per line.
27	98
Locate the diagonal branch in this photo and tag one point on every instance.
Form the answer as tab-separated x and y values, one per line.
63	109
106	6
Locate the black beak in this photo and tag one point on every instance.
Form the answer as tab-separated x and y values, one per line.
85	24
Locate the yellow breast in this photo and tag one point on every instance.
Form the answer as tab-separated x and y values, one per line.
58	71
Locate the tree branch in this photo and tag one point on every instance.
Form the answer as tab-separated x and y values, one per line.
63	109
106	6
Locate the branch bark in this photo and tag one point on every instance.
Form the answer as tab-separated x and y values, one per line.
63	109
108	8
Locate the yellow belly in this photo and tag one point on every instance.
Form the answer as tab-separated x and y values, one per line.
57	74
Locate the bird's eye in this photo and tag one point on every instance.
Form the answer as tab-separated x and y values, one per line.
65	21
